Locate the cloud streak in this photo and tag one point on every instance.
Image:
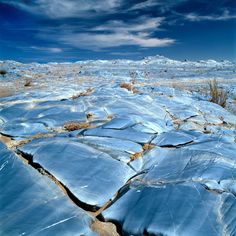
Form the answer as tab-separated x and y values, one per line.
47	49
92	27
141	24
223	17
162	4
116	39
75	25
115	34
56	9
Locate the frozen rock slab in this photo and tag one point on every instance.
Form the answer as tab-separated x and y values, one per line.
229	185
215	112
119	123
116	148
186	165
136	106
23	129
173	209
24	110
181	111
38	126
127	134
13	112
155	124
215	145
51	114
92	176
56	120
206	162
31	204
174	138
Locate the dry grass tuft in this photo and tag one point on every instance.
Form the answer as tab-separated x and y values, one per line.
12	144
71	126
110	117
104	228
147	146
89	115
28	82
42	135
130	87
127	86
218	96
82	94
136	155
16	143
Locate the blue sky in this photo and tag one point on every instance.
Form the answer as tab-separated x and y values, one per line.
71	30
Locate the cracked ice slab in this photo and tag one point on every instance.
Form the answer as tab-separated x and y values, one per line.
30	118
23	129
137	106
215	111
178	109
92	176
43	124
111	143
173	209
31	204
119	123
173	138
127	134
212	163
117	148
183	164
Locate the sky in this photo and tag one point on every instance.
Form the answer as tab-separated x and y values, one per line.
72	30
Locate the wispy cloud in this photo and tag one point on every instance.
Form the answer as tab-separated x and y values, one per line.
224	16
66	8
102	41
47	49
58	28
141	24
117	33
72	24
163	5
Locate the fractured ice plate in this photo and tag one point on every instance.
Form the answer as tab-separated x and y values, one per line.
92	176
23	129
127	134
31	204
181	209
173	138
184	165
116	148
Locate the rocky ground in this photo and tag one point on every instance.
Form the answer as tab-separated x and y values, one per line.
117	148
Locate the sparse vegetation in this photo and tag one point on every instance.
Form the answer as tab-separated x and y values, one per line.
127	86
3	72
110	117
28	82
136	155
71	126
217	95
147	146
82	94
89	115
